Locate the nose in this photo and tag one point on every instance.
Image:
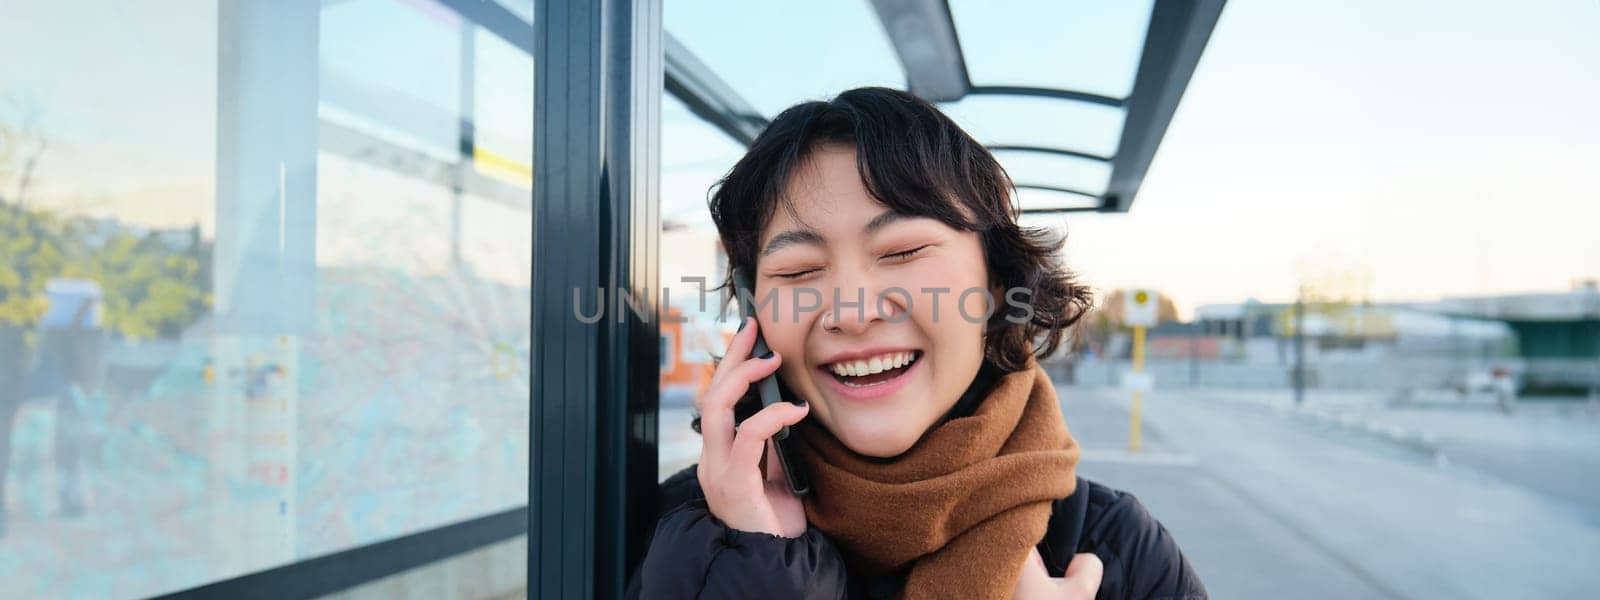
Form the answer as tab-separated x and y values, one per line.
856	304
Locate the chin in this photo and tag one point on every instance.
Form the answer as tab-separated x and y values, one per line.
878	444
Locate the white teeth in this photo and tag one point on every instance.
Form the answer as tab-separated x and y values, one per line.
876	364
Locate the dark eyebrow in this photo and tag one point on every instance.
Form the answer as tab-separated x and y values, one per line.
809	237
792	237
884	219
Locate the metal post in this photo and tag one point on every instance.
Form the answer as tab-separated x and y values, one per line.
1138	394
1194	354
1299	349
597	94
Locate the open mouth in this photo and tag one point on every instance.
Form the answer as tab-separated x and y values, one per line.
873	370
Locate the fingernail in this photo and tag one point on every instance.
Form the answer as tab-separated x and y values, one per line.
767	355
743	323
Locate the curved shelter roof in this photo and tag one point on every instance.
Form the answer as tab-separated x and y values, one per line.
1073	98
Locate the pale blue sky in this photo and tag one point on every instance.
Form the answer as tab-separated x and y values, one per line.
1445	148
1449	148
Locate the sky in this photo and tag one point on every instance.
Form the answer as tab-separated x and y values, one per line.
1432	149
1421	149
1444	152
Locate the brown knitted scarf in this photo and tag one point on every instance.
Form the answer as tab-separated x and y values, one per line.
963	507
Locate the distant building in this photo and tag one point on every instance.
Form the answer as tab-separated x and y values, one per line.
1555	325
1558	333
1254	331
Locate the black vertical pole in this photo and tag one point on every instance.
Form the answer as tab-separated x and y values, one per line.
630	389
568	169
597	94
1300	348
1194	353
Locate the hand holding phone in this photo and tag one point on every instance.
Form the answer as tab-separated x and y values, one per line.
767	388
737	490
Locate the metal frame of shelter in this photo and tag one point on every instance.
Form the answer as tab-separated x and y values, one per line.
600	69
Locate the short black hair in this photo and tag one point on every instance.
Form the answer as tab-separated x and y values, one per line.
918	162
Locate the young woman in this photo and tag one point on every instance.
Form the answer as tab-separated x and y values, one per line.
905	307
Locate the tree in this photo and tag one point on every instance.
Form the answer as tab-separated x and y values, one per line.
1097	327
151	286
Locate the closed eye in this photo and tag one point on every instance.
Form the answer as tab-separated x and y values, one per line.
907	254
794	275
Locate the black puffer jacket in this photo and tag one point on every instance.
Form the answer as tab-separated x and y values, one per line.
693	555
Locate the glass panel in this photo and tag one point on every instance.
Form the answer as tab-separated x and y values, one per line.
694	155
269	303
776	53
520	8
1036	199
502	119
393	72
1055	170
1004	120
1087	46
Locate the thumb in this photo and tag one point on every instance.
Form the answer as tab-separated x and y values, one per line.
1082	578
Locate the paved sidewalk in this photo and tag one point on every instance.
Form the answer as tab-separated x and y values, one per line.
1270	503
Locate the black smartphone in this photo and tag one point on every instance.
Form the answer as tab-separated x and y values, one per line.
767	388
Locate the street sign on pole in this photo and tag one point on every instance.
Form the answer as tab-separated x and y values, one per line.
1137	382
1139	308
1138	312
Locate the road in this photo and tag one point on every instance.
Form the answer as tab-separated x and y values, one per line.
1269	501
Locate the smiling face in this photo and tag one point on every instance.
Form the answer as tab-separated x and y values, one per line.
878	375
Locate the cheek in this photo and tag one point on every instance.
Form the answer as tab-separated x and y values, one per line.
785	337
956	305
956	328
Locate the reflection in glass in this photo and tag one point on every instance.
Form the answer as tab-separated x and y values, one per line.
270	303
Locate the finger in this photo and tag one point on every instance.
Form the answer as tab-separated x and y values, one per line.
772	466
1083	575
1034	580
721	396
754	432
1034	565
738	348
716	416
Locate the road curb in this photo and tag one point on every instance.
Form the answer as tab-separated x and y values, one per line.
1416	441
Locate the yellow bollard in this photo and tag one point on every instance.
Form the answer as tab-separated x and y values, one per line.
1138	395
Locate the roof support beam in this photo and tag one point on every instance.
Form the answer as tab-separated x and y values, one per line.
1098	202
1060	210
707	96
1179	30
924	38
498	20
1049	150
1054	93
